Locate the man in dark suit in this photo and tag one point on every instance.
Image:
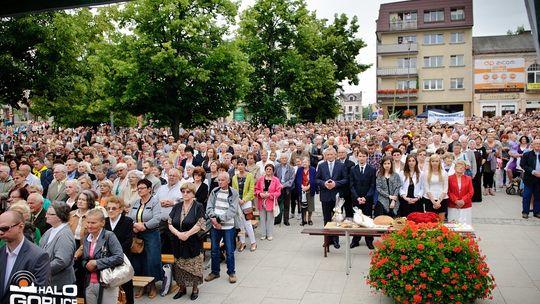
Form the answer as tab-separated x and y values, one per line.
331	177
19	254
345	192
362	185
530	162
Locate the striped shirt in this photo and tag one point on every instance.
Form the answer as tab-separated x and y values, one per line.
222	205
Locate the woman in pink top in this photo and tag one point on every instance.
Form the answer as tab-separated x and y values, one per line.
267	190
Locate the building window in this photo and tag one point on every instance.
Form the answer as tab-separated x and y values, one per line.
433	84
457	60
458	37
433	39
403	16
457	14
456	83
404	62
433	62
402	84
533	73
350	108
434	15
351	98
356	109
405	39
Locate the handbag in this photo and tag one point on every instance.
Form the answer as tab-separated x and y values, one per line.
122	299
247	208
277	211
117	276
137	245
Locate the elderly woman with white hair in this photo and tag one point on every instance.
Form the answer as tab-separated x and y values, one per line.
72	189
85	168
188	175
130	194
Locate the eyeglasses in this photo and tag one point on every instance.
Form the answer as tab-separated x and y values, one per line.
142	188
112	208
186	191
6	229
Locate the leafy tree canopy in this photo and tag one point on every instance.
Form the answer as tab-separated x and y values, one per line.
299	61
174	64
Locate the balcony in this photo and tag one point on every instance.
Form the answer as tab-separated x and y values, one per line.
395	71
397	94
403	25
401	48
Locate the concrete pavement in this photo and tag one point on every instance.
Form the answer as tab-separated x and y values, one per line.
291	268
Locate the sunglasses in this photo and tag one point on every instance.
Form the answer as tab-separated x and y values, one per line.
6	229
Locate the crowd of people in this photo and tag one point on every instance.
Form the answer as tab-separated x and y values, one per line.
87	198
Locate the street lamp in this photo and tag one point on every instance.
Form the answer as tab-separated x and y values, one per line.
408	70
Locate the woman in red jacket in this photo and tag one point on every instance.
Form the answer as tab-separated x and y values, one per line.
460	192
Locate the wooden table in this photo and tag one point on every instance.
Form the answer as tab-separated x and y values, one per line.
331	229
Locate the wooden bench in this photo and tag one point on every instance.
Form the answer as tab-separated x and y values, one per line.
140	281
167	259
327	234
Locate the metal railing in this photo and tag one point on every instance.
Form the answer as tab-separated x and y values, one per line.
402	25
397	48
396	71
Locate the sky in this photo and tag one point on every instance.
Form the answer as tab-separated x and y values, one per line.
491	17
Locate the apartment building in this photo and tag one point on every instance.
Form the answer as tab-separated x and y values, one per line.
506	75
424	56
351	106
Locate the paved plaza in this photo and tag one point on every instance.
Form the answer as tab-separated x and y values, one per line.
291	268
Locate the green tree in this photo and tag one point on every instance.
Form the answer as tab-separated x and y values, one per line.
299	61
174	64
53	55
519	30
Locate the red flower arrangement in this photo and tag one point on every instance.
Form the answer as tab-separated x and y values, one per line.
408	113
398	91
423	217
428	263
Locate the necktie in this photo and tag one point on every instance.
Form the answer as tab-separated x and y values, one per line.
331	167
362	170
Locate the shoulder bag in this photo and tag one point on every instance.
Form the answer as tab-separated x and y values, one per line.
137	245
116	276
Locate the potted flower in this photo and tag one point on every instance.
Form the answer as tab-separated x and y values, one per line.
428	263
408	113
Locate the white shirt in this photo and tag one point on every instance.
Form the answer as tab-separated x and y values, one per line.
10	262
90	237
70	202
32	180
54	232
168	192
114	223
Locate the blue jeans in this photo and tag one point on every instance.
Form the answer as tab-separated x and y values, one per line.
527	194
228	239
